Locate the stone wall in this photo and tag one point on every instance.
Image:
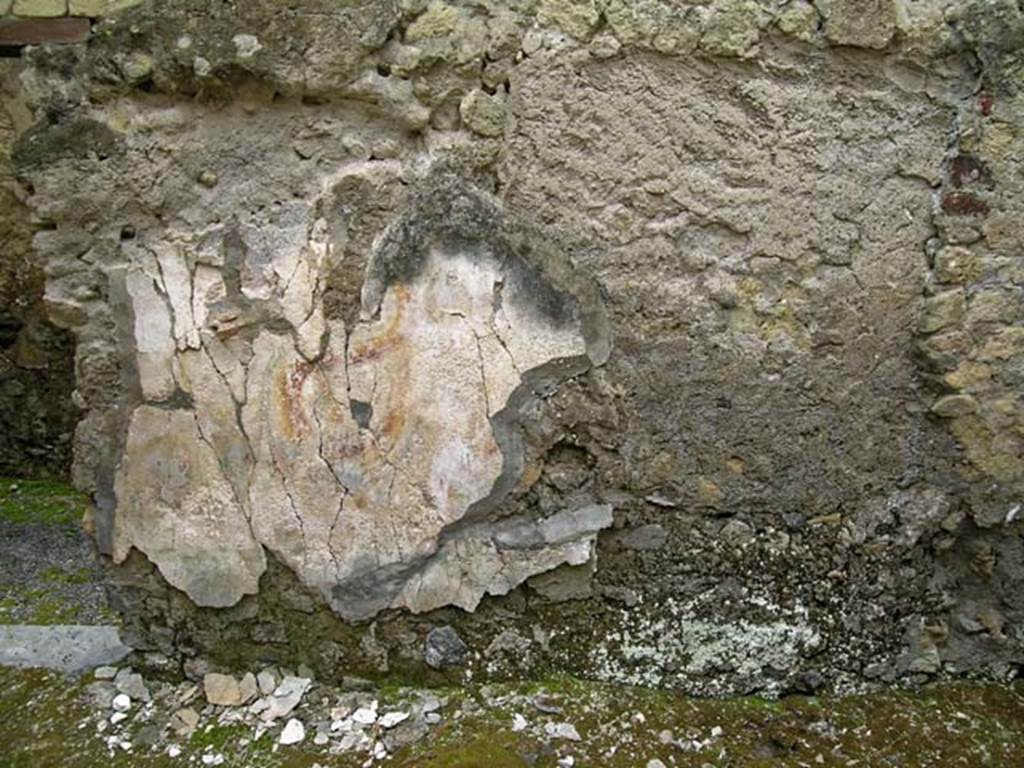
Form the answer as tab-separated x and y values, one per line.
671	343
37	413
11	10
37	418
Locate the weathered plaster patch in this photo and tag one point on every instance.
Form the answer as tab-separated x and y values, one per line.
384	505
176	506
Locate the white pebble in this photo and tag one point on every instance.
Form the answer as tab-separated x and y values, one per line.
365	716
562	731
391	719
518	723
294	732
121	703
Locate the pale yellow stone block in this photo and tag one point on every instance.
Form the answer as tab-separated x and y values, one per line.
40	8
952	406
438	20
576	18
968	374
95	8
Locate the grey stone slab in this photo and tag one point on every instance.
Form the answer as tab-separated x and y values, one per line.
65	647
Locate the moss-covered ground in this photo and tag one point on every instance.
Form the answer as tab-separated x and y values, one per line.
48	574
41	501
45	722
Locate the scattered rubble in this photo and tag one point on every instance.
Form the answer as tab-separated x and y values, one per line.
293	710
589	724
272	701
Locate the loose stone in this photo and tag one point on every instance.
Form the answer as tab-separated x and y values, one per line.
364	716
222	690
565	731
104	673
121	703
444	648
132	685
391	719
267	680
184	721
285	698
293	733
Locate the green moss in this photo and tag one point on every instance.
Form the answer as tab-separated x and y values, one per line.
52	612
756	704
556	684
218	737
41	501
36	605
39	713
7	608
61	576
494	749
947	725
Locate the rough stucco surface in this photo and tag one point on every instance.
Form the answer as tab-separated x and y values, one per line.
669	343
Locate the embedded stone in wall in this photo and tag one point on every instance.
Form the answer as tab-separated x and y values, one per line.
365	458
98	7
17	33
40	7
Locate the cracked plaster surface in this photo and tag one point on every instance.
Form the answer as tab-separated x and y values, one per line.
348	453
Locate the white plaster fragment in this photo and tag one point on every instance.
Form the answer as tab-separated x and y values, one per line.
154	343
177	283
184	514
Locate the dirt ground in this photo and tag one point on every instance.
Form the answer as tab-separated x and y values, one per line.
46	721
